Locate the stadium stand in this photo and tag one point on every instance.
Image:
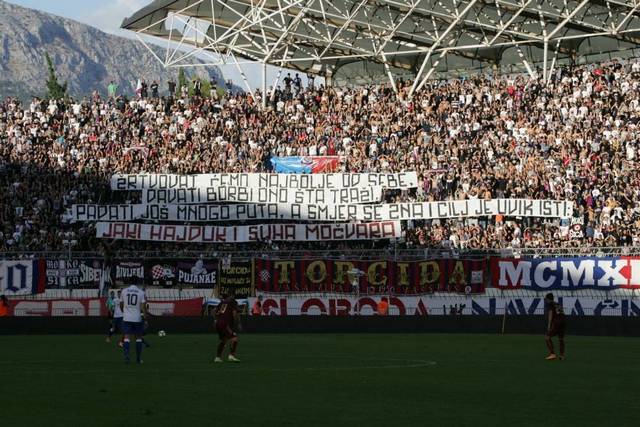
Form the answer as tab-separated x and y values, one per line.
486	137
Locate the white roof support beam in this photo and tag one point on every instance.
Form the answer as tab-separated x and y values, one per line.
450	28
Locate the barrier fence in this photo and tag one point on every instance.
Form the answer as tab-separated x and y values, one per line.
316	282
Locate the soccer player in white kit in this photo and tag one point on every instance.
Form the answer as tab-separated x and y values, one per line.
133	304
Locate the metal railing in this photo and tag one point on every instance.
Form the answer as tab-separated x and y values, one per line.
391	252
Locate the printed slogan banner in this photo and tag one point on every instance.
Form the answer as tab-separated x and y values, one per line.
197	273
566	273
22	277
326	213
75	273
132	182
262	195
350	305
248	233
236	277
308	164
447	275
122	272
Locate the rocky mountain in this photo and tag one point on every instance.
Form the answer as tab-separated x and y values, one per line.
83	56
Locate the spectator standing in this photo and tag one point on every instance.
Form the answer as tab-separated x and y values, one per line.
383	307
112	89
197	87
154	89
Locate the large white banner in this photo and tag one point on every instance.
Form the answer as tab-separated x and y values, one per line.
129	182
329	213
248	233
319	196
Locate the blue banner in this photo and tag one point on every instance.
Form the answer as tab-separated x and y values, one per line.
543	274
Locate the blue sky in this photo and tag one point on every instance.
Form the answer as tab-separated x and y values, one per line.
107	15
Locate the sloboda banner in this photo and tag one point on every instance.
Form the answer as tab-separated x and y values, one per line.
262	195
131	182
248	233
349	305
566	273
419	277
313	212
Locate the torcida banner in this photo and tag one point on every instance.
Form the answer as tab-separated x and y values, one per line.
248	233
329	181
321	213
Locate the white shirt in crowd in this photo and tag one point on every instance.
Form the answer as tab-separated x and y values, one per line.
132	298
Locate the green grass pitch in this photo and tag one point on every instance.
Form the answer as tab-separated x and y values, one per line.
321	380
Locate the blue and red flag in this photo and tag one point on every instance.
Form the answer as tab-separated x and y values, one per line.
22	277
307	164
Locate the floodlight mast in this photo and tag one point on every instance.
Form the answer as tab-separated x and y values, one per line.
420	38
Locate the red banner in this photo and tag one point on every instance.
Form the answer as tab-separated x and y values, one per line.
184	307
402	278
97	307
58	307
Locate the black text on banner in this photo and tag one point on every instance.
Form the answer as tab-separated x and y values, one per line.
248	233
262	195
329	181
323	213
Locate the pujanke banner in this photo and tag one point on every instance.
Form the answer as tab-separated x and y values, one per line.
197	273
420	277
543	274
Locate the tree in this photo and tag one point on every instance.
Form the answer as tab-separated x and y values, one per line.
182	80
55	90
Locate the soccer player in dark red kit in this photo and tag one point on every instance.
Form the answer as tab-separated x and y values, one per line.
555	326
227	320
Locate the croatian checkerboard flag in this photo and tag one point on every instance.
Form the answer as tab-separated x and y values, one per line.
22	277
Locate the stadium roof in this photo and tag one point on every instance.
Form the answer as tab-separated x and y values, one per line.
391	37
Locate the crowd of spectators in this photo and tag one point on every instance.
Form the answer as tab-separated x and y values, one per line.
576	138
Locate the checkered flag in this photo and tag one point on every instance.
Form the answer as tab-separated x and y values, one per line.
157	272
265	276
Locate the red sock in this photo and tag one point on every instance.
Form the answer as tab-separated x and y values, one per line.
234	345
220	348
